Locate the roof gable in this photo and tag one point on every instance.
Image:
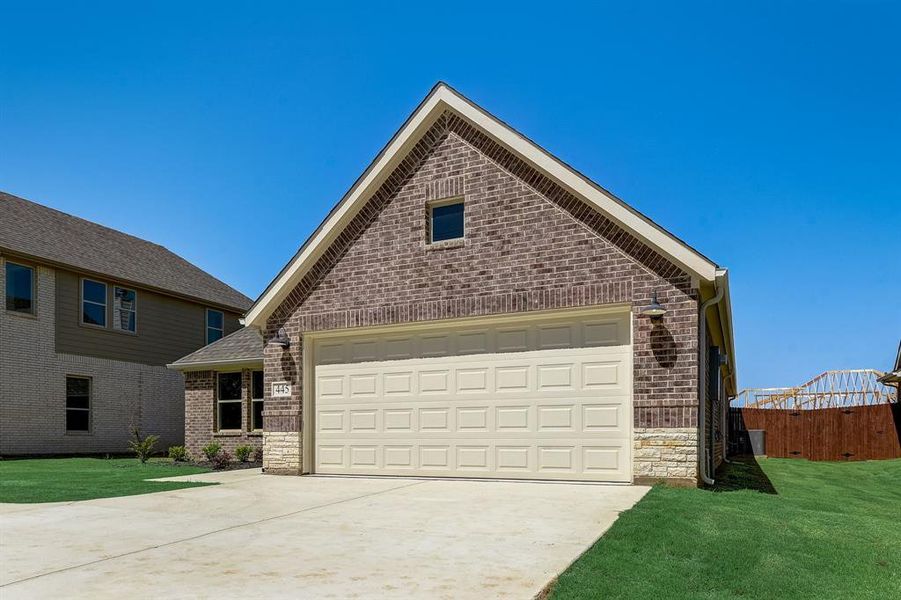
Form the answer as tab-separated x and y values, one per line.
440	100
47	235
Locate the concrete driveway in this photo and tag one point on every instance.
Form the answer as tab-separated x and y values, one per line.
259	536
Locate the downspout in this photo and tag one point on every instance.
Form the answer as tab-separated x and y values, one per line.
702	389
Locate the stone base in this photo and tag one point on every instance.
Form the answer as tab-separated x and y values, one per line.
281	453
669	455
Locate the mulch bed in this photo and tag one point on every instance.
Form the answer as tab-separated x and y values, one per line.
232	466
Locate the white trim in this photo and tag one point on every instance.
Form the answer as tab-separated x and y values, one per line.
220	402
134	310
210	365
206	330
254	400
431	206
89	409
105	305
725	316
307	379
34	276
443	98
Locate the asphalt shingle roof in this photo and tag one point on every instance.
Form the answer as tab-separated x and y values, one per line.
47	234
246	344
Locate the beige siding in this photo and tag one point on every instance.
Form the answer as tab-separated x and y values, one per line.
167	328
33	389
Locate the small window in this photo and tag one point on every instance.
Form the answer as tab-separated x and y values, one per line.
93	303
78	404
446	221
215	325
256	400
124	309
229	401
19	288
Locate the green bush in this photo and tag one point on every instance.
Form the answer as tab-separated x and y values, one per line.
221	460
142	446
178	453
242	453
211	450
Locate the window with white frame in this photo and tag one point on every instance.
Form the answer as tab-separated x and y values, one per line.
446	220
215	325
228	401
19	288
125	307
256	401
93	302
78	404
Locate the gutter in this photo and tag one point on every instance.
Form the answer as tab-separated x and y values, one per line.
206	365
703	352
111	278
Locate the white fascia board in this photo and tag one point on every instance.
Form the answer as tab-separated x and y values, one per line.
215	364
669	246
344	212
441	98
725	316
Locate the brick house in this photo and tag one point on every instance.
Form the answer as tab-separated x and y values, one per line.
91	317
474	307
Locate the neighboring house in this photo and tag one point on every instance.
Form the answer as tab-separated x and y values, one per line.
474	307
91	317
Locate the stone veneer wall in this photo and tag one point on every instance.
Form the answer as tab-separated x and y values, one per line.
530	245
282	453
33	388
665	453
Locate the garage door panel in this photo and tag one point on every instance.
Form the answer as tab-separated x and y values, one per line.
398	383
514	416
556	418
514	458
399	457
598	335
535	401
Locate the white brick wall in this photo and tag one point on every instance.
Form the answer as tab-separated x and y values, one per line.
33	388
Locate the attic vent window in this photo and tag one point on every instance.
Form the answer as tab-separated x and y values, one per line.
446	220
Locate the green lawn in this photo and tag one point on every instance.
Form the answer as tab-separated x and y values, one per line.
816	530
65	479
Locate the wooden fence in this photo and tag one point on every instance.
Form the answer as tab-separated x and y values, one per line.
852	433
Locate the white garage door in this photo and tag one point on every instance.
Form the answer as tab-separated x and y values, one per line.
546	399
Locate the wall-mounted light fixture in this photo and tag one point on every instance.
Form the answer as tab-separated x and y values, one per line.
281	338
654	310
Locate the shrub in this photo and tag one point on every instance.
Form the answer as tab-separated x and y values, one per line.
178	453
222	459
142	446
242	453
258	454
211	450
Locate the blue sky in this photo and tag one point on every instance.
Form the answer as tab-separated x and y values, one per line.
764	134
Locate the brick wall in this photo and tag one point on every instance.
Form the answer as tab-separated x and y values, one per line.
33	388
530	245
201	415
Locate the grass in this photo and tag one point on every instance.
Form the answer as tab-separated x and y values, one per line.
67	479
784	529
